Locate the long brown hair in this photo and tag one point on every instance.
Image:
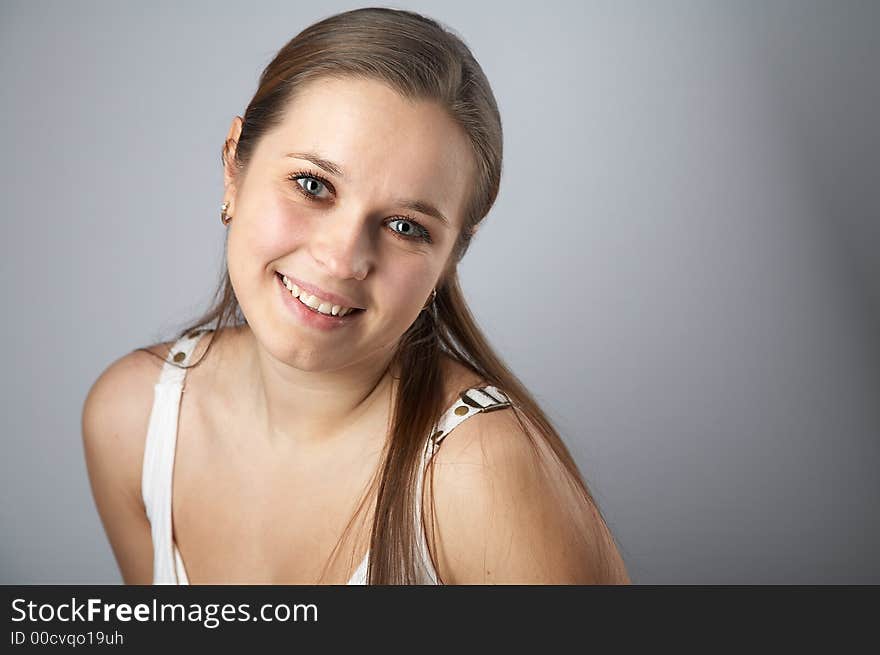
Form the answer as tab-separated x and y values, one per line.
421	60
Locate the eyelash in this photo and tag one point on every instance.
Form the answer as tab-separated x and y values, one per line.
425	235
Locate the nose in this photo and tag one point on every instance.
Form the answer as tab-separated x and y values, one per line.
340	243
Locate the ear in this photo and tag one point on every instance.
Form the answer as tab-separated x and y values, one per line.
230	172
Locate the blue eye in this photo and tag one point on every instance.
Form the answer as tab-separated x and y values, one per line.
313	180
422	233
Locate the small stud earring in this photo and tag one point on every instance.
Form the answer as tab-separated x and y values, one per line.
224	217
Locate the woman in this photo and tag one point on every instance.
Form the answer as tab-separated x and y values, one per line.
306	447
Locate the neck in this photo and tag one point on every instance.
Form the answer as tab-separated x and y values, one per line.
313	410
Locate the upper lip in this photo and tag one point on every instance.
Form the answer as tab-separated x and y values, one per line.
329	296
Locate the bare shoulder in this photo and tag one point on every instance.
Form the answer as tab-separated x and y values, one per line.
115	418
486	438
488	447
125	387
507	512
116	411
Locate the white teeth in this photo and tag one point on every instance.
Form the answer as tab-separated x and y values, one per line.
314	302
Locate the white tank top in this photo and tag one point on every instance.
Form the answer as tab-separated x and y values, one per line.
161	442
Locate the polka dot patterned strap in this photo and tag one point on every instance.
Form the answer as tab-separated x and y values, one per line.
470	402
179	356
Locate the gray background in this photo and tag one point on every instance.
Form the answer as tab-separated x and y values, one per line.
688	213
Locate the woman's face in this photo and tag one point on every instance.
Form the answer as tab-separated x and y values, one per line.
355	231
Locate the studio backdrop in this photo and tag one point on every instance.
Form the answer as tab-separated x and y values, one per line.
683	263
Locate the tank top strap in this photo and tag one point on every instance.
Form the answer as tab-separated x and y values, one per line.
470	402
180	354
159	449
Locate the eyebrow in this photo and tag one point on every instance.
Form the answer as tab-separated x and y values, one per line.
328	166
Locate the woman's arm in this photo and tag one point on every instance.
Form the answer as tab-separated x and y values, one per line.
502	519
114	427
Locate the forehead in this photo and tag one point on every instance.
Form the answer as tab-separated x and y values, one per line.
382	142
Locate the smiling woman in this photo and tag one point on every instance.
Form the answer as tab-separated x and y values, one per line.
307	448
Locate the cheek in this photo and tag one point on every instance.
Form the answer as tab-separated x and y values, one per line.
407	287
271	228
